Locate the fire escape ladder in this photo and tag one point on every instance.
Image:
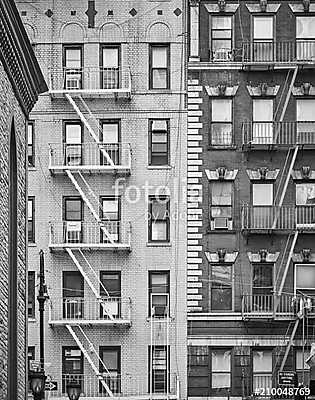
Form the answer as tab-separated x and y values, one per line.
86	354
289	344
83	272
87	123
88	202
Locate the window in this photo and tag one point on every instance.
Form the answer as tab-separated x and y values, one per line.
110	215
305	279
305	118
110	291
31	219
72	64
110	137
31	295
73	295
110	67
159	67
159	142
221	205
110	358
262	198
159	359
159	219
221	122
73	143
301	367
263	38
72	366
30	144
262	194
262	121
305	38
73	216
262	369
221	287
262	287
159	291
221	38
305	200
220	369
30	356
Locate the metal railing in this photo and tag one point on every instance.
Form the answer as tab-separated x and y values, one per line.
90	79
262	383
267	305
74	233
89	155
285	133
263	51
81	309
278	218
128	385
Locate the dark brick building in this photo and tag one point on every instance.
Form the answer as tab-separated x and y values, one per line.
20	83
251	194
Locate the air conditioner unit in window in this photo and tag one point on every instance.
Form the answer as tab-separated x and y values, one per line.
159	305
73	80
220	223
222	55
73	231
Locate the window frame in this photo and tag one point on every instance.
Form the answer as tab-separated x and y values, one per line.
231	122
63	359
231	265
211	350
117	227
167	292
265	182
32	300
166	219
263	40
296	288
79	70
113	148
32	145
168	67
257	349
102	68
103	272
211	206
263	288
31	238
211	30
64	208
73	122
167	154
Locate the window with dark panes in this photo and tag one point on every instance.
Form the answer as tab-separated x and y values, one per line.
30	358
72	367
72	63
31	219
31	144
31	294
198	371
159	66
263	46
110	291
73	143
158	370
262	369
73	216
110	215
221	204
221	122
221	38
110	67
221	287
262	287
159	291
73	295
305	38
110	368
220	369
110	139
159	219
159	142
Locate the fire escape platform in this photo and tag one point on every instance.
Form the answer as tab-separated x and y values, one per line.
89	322
92	93
91	169
90	246
154	396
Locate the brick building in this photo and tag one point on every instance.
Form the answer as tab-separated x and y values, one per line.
106	195
251	143
20	83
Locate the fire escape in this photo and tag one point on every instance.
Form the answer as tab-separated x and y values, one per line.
289	220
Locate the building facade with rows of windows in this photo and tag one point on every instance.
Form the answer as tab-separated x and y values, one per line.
251	147
106	155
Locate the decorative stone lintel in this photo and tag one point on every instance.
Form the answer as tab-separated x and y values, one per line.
229	258
255	8
215	175
259	174
255	91
256	257
298	258
299	8
229	8
303	90
307	174
214	91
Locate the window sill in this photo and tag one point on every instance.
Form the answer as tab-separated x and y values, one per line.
32	168
32	320
159	244
167	167
31	244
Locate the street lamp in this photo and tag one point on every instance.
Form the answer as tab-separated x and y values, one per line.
37	383
73	390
